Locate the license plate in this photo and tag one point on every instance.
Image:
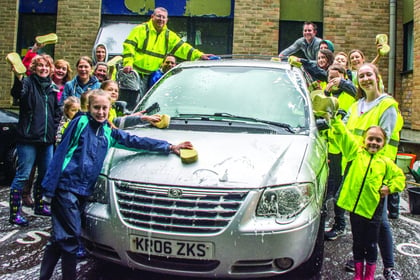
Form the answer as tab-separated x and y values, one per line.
173	248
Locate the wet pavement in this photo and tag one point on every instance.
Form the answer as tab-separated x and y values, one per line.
21	250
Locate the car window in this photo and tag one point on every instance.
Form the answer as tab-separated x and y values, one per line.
264	93
113	35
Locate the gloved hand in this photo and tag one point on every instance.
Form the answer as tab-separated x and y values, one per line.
342	113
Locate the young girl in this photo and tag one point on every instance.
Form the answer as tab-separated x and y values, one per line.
369	177
71	107
318	70
114	117
79	159
62	74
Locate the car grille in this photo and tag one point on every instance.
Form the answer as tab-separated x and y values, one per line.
177	209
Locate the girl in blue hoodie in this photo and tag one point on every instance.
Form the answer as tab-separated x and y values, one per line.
71	176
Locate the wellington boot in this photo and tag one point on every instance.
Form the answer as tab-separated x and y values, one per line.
68	266
15	209
358	272
51	256
41	208
370	271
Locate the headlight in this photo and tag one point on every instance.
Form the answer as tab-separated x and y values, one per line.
285	202
100	191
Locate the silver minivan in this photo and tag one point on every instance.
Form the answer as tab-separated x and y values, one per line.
251	206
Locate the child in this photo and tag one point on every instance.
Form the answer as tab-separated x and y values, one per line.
71	107
72	174
345	92
369	177
114	117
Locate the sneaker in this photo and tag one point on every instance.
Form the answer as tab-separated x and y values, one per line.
392	274
334	233
349	265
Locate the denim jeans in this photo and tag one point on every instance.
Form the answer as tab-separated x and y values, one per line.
385	241
29	155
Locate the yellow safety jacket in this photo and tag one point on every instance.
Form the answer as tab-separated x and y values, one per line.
358	124
144	49
367	173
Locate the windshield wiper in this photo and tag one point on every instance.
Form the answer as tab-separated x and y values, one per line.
228	115
282	125
152	109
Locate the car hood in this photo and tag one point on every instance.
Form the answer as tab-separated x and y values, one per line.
224	160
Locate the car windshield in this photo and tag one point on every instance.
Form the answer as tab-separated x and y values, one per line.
269	95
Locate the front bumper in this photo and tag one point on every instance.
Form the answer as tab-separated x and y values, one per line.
247	248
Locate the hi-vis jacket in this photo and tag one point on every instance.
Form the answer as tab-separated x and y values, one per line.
366	174
78	159
358	122
144	49
346	96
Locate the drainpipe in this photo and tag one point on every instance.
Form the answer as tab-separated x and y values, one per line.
391	58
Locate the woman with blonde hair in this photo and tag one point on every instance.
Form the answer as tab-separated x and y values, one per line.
39	115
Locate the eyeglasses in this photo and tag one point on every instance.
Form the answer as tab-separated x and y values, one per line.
160	16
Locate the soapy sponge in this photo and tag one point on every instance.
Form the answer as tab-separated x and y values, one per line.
164	121
15	60
50	38
188	155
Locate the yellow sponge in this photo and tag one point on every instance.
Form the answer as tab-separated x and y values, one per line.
188	155
164	121
50	38
384	50
324	104
382	39
15	60
116	59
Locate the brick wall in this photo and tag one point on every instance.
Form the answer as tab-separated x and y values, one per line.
415	97
255	29
77	24
363	21
8	26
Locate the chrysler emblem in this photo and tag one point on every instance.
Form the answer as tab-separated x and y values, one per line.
175	193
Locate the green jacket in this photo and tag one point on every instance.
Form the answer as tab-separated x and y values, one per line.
367	173
144	49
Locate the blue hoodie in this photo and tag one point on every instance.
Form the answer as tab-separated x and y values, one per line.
76	88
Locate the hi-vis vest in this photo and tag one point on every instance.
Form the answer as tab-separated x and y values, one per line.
144	49
359	124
